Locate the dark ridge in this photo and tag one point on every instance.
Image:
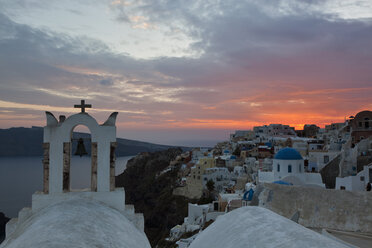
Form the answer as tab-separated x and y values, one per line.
3	221
20	141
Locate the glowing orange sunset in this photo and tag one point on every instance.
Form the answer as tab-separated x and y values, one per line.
198	77
185	123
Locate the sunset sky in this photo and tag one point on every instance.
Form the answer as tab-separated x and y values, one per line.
186	72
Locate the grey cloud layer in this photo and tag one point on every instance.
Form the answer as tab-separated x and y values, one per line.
250	59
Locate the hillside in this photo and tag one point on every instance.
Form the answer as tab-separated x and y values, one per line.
3	221
150	191
22	141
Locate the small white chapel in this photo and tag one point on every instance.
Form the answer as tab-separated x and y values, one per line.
61	217
288	167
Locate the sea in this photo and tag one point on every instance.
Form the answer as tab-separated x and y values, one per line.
20	177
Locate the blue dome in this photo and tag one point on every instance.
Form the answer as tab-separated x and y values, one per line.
288	154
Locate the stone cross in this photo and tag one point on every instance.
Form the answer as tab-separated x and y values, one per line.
83	106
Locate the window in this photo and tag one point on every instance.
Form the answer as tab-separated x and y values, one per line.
342	188
326	159
366	124
360	124
278	167
289	168
198	177
361	178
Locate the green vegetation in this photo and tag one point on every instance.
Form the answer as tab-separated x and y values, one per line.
210	185
237	152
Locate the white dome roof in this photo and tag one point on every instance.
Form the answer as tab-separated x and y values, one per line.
77	223
259	227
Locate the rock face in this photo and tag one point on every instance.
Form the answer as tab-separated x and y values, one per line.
3	221
150	191
259	227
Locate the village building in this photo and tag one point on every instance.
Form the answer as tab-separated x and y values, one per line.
361	126
335	126
301	146
274	130
219	175
318	159
358	182
193	185
288	166
310	131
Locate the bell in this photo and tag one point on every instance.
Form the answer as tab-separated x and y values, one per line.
80	150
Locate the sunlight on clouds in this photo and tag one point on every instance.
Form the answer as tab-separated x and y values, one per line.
330	9
209	107
151	93
120	2
87	71
67	94
144	25
347	9
38	107
15	105
141	22
255	104
5	117
328	92
296	101
72	93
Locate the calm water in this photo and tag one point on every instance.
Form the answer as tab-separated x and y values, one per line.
20	177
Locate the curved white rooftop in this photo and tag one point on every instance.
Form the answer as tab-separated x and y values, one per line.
259	227
77	223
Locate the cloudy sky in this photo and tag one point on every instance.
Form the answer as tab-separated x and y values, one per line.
186	72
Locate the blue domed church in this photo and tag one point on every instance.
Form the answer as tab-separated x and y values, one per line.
288	168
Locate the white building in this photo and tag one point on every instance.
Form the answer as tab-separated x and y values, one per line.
274	130
288	166
94	217
319	159
356	183
219	175
259	227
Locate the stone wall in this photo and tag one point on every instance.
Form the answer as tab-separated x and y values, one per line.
93	183
319	208
46	147
66	166
190	191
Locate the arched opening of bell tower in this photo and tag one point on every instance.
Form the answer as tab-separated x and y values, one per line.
81	159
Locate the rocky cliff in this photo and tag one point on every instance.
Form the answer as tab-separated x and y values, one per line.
149	181
3	221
